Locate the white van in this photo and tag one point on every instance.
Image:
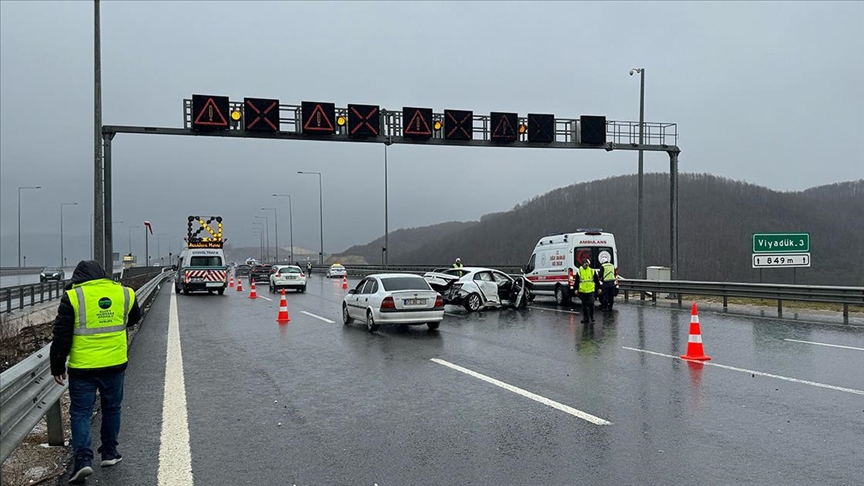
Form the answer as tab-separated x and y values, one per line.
555	260
201	269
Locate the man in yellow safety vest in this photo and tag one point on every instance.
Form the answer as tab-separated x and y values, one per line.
458	264
609	274
90	329
587	287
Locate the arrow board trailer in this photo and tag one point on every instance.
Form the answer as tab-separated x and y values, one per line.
781	260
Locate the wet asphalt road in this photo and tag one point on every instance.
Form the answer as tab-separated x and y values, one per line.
318	403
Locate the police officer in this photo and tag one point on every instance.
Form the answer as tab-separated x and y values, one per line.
608	275
587	287
90	329
458	264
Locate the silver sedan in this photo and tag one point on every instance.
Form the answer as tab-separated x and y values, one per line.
393	298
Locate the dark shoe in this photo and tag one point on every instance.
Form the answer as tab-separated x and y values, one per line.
80	473
584	321
592	320
109	459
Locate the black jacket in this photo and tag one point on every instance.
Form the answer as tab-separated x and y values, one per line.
64	324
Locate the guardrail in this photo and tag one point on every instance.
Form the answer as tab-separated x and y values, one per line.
845	296
28	391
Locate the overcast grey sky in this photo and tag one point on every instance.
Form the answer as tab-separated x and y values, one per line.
768	93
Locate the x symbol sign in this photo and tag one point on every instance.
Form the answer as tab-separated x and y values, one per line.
458	124
365	120
261	114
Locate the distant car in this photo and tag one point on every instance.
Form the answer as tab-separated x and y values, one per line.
52	273
476	287
287	277
393	298
336	270
242	270
260	272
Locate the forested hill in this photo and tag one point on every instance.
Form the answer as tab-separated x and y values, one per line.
717	218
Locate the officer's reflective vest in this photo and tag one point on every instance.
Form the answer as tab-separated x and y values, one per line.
608	272
586	280
101	313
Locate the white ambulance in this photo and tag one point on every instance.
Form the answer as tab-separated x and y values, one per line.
201	269
556	259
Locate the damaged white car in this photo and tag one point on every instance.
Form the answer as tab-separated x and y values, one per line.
477	287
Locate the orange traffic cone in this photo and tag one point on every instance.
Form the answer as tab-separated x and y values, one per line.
282	318
239	284
231	282
694	344
252	293
344	282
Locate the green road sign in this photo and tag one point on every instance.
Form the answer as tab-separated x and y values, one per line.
781	242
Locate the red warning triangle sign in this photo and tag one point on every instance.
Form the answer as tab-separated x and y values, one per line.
318	120
418	125
211	116
504	129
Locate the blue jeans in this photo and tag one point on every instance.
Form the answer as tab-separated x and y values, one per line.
82	394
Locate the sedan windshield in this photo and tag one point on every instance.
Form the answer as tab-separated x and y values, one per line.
405	283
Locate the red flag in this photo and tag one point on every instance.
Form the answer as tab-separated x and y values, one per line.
147	225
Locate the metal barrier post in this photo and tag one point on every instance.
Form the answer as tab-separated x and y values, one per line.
21	297
32	295
41	292
845	313
725	303
8	300
779	308
54	418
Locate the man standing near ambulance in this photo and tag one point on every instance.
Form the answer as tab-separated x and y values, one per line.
90	329
608	274
587	287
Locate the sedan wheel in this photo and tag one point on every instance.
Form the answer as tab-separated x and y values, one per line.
473	303
346	318
370	322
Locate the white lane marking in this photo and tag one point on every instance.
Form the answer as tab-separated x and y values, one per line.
760	373
825	344
537	398
266	298
579	312
328	321
175	457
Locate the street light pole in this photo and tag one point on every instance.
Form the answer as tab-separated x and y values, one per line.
275	229
267	238
640	225
290	222
62	259
320	212
386	213
260	229
19	218
130	237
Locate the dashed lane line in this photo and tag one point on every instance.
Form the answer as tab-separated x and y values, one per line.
825	344
328	321
759	373
519	391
